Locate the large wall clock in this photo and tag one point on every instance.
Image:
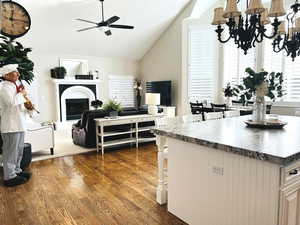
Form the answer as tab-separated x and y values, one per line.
15	19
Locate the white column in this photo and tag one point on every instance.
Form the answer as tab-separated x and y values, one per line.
161	192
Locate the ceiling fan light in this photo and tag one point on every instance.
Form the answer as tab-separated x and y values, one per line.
218	17
108	32
231	9
255	7
277	8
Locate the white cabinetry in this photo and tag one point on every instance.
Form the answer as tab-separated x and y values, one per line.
290	196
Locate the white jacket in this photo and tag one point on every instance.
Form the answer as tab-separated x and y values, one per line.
12	110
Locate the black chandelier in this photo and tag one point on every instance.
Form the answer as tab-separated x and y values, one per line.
289	40
249	30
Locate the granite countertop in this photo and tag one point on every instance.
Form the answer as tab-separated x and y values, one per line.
280	146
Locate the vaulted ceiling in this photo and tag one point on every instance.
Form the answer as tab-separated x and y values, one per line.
54	26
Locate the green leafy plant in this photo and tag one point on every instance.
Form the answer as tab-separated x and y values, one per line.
15	53
112	105
58	72
230	91
261	84
96	104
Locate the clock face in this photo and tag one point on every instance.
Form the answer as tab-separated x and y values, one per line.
15	20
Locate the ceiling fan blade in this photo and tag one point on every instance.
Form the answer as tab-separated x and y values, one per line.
112	20
87	21
121	26
88	28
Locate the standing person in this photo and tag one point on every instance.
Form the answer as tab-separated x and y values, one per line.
12	126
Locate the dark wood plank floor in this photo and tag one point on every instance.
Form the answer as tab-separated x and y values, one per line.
89	189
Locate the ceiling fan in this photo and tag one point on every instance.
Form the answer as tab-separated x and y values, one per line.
105	23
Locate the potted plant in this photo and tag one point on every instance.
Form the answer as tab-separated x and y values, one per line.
257	85
96	104
58	72
229	92
113	108
15	53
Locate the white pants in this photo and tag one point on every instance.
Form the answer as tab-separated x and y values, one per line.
12	153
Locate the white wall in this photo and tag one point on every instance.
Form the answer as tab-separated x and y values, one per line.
46	61
163	61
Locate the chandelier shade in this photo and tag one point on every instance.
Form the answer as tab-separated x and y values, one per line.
231	9
255	7
282	29
297	25
277	9
218	16
264	17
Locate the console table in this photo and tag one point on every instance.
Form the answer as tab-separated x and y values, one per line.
133	132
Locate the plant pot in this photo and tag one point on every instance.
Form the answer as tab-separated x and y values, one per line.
259	110
113	113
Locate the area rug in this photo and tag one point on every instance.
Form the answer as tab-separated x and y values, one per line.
63	146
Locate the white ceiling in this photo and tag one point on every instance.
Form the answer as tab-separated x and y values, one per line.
54	26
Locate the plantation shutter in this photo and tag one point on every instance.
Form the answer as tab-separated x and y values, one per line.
273	62
121	90
279	62
292	75
202	63
236	62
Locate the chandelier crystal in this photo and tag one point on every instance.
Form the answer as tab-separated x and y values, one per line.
289	39
250	29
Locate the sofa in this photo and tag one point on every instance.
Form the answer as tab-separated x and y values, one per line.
84	131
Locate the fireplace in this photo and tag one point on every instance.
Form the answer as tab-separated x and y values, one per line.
75	107
73	97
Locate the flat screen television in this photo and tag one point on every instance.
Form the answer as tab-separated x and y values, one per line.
163	88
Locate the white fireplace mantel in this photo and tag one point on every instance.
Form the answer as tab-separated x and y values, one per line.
76	89
74	81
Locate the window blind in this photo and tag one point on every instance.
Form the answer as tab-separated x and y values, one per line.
121	90
279	62
292	76
235	63
202	63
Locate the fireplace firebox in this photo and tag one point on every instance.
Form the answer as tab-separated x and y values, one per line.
75	107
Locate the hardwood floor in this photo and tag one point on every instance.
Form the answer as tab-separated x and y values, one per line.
89	190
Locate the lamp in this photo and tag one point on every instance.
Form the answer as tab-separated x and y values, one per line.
249	29
152	100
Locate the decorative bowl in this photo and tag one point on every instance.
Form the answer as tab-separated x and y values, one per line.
267	124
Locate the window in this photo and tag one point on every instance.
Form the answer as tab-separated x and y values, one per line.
202	67
121	90
279	62
235	63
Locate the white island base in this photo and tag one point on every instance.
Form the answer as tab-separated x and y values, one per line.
213	187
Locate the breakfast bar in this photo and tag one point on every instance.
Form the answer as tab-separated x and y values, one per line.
222	172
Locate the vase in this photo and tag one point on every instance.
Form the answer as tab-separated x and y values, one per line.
228	102
259	110
113	113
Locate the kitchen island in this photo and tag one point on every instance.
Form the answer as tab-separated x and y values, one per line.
221	172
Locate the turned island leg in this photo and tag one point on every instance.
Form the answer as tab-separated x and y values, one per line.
161	192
